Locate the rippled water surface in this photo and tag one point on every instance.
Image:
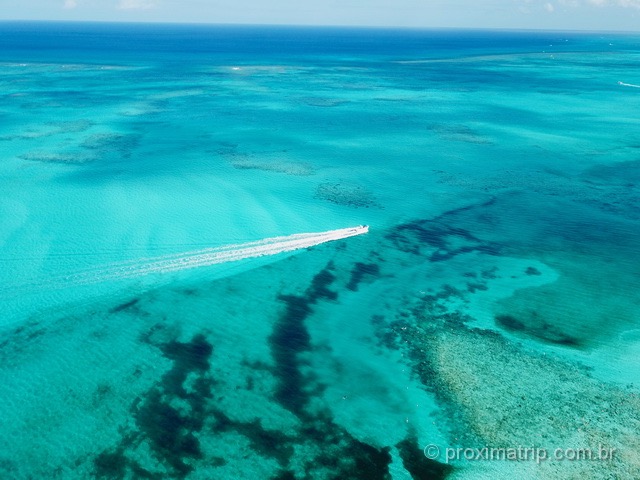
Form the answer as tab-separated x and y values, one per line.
493	302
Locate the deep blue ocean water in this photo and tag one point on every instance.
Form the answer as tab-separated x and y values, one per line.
492	303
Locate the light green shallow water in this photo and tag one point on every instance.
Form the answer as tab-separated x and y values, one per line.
493	302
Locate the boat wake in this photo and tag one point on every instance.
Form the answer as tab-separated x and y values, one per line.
201	258
628	85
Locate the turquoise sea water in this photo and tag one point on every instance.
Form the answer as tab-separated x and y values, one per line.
493	302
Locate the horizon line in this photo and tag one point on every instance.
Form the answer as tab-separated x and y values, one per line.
336	26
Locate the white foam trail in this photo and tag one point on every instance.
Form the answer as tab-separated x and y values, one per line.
209	256
628	85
